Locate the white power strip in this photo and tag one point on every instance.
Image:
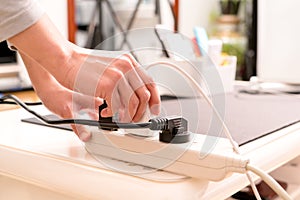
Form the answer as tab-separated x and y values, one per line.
205	157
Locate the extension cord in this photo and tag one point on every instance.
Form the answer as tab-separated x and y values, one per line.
190	159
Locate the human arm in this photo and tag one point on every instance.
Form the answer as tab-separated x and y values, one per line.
60	100
120	81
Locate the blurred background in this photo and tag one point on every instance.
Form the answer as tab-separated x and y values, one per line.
262	34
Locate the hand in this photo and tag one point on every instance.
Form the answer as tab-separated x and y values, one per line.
68	104
117	78
60	100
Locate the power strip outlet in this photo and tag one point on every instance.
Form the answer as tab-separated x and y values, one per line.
204	157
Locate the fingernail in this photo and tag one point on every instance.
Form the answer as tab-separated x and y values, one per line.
85	136
155	109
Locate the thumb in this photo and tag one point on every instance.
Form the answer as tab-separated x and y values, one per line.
82	133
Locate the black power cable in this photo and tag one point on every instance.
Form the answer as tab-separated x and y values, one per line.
113	125
26	103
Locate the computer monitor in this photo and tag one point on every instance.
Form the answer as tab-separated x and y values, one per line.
278	41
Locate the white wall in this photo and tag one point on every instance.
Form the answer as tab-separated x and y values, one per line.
195	13
279	41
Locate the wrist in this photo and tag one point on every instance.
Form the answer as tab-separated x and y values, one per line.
63	61
71	61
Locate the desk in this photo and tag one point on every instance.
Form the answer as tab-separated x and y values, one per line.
44	163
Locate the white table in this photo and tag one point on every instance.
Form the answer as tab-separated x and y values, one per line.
45	163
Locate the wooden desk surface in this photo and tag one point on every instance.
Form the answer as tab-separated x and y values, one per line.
29	96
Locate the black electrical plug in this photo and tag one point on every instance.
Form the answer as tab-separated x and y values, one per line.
174	129
105	120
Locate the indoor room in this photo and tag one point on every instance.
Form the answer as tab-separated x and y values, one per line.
149	99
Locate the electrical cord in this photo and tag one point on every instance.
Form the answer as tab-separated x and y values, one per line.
267	178
26	103
3	100
158	123
270	181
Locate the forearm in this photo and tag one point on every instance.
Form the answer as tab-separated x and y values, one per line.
41	80
115	77
43	43
54	96
59	99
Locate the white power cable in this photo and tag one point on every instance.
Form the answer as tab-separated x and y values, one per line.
268	179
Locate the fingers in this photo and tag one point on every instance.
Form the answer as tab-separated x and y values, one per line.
123	101
154	101
76	105
81	101
127	89
83	134
81	131
140	95
143	97
113	105
133	93
154	98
